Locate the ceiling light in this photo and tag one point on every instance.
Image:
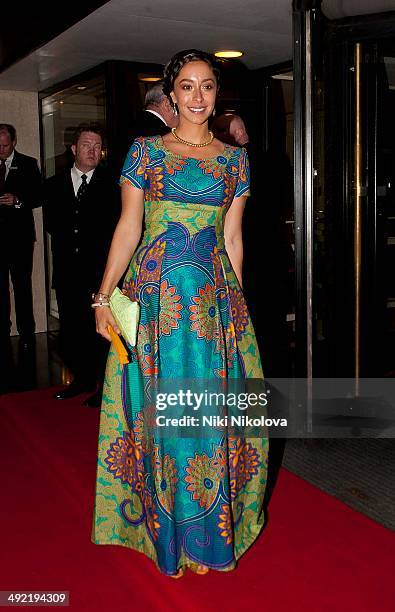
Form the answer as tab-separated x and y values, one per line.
229	53
150	79
81	87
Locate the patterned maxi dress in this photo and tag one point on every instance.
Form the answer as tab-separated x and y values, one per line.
181	501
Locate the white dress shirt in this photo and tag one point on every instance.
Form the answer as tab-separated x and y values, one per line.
76	177
8	164
148	110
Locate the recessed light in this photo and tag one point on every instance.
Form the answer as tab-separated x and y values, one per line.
81	87
150	79
61	102
229	53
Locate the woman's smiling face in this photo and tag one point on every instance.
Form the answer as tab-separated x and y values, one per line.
195	91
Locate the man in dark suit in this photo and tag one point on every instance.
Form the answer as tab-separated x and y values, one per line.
158	117
81	209
20	186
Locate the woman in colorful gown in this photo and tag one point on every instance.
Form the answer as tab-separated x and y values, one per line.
184	502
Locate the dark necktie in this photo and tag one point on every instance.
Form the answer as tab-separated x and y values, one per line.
2	175
82	188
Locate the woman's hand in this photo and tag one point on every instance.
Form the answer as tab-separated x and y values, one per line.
104	318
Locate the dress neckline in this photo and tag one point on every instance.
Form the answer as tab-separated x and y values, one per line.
161	144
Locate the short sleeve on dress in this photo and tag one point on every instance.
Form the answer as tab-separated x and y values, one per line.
243	181
134	168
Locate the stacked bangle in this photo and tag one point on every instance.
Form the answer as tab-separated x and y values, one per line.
100	299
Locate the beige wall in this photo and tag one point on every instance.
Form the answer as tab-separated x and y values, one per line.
21	109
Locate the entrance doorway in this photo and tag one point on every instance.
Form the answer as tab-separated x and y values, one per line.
353	203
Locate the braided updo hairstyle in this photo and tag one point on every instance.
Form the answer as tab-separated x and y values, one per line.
173	67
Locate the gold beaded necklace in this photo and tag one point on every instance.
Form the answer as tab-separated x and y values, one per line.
193	144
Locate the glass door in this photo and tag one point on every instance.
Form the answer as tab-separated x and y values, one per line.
386	202
61	113
269	221
352	247
378	213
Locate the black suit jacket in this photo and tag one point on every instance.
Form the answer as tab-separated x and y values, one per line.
90	231
148	124
24	181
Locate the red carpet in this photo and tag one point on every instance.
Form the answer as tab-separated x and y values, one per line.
316	554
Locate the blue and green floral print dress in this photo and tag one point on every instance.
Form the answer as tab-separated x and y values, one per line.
181	501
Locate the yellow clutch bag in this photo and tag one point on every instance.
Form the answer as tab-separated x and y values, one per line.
119	346
126	314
